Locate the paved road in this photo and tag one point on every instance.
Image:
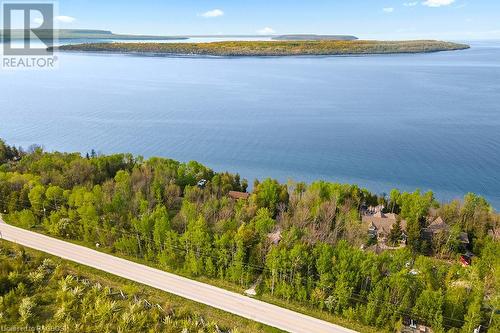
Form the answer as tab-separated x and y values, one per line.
200	292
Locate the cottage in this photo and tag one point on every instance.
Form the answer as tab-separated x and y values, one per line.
238	195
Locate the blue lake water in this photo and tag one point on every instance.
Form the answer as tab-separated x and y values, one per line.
428	121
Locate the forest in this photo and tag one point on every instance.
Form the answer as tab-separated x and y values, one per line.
303	245
272	48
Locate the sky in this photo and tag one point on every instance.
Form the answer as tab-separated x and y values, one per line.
369	19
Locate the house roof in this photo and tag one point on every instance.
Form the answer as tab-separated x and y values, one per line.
391	216
383	223
464	238
437	221
238	195
385	230
438	225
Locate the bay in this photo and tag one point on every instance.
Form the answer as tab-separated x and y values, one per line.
428	121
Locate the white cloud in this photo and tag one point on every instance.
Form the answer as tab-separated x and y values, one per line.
212	13
65	19
388	10
437	3
266	31
60	19
410	4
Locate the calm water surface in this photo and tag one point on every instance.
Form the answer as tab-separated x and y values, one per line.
429	121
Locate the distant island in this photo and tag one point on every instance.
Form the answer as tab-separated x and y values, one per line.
270	48
88	34
314	37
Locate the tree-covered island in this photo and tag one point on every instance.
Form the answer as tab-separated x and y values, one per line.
271	48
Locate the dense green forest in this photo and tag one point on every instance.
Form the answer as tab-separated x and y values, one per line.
37	292
272	48
302	244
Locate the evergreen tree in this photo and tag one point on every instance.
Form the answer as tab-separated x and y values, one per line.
396	233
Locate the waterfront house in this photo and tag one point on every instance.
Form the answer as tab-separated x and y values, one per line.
380	225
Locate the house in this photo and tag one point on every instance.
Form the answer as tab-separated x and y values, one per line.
380	225
438	227
435	228
238	195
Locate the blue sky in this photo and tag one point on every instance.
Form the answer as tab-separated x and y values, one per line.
395	19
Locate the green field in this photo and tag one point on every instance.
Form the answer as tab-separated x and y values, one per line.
271	48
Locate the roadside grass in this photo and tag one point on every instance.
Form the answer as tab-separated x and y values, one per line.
323	315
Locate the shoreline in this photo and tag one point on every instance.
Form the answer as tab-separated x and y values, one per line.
374	186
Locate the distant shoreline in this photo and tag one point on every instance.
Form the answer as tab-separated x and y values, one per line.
268	48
